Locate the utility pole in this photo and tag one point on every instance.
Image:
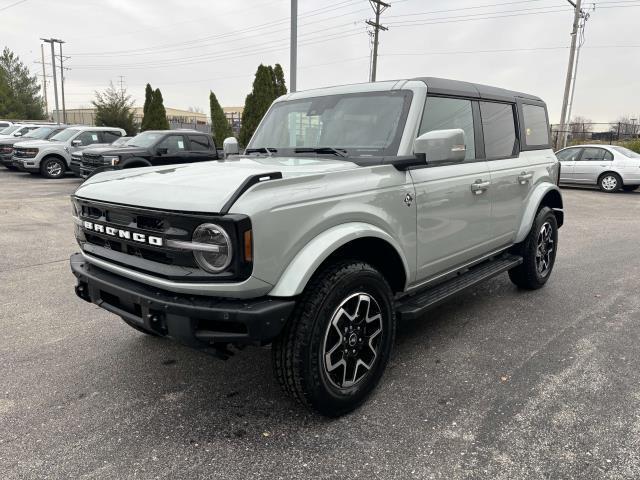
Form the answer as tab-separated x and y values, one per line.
44	81
121	84
567	84
64	110
583	23
293	50
51	41
378	7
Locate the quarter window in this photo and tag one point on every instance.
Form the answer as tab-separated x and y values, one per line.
199	143
536	127
498	126
444	113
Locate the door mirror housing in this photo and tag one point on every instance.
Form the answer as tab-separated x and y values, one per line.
162	151
76	143
230	146
17	134
441	146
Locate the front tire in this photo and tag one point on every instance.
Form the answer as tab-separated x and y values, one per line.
610	182
336	346
538	252
53	167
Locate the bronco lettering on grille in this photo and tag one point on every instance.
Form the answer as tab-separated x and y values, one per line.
125	234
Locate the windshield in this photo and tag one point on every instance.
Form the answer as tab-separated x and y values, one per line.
10	129
64	135
144	140
626	152
361	124
39	133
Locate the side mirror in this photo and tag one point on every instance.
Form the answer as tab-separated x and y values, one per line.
76	143
230	146
162	151
17	134
441	146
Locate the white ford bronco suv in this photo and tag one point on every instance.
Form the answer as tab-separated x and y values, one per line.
352	207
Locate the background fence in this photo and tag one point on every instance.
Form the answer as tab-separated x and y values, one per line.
610	133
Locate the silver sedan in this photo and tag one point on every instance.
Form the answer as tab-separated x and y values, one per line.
610	167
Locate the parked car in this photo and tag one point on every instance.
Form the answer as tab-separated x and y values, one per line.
17	130
51	158
153	147
76	157
610	167
4	124
352	207
41	133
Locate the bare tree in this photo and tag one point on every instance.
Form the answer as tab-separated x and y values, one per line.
580	125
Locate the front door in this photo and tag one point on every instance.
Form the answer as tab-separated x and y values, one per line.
568	158
453	208
172	149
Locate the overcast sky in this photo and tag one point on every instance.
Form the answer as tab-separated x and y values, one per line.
187	48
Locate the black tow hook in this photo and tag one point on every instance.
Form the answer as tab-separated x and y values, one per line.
83	292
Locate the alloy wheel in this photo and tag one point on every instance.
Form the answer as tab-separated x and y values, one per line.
352	340
54	169
609	183
544	249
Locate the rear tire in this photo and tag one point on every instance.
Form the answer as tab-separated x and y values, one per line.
139	328
610	182
538	252
53	167
337	343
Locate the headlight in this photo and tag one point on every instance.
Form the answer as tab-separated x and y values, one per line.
111	159
30	152
218	259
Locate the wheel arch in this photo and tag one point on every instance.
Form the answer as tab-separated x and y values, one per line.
358	241
47	156
612	172
135	162
545	195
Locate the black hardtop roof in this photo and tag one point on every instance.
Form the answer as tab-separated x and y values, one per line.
443	86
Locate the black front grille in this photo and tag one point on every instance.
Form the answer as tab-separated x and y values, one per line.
92	160
181	264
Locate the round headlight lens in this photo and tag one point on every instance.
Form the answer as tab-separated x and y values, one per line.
212	234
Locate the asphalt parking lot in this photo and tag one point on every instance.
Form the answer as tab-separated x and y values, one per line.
498	384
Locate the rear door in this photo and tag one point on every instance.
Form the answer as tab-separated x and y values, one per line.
568	158
453	219
591	164
511	173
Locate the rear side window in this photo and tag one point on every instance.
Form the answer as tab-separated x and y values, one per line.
499	128
199	143
445	113
595	155
536	129
111	136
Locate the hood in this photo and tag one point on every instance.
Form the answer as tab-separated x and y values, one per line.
109	149
197	187
37	143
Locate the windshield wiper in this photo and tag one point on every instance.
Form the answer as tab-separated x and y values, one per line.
268	150
340	152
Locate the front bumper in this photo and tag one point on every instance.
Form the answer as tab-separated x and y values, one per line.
25	164
6	160
196	321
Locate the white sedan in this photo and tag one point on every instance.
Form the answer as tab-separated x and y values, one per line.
610	167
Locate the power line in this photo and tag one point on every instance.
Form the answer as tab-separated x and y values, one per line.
12	5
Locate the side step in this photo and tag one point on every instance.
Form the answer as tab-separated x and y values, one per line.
412	307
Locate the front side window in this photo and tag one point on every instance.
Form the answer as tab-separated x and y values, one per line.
445	113
173	144
88	138
568	155
596	155
363	124
536	128
498	126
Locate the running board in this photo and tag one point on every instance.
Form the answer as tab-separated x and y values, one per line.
412	307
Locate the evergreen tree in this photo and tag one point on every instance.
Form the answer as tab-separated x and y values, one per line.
157	115
19	90
257	102
114	109
280	86
148	95
219	124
